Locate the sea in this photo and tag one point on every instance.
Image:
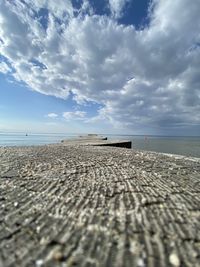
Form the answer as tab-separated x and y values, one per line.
179	145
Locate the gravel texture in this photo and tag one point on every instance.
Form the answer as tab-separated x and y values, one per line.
98	206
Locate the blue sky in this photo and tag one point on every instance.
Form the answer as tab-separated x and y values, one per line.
22	109
110	66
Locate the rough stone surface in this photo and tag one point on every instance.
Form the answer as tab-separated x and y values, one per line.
98	206
96	141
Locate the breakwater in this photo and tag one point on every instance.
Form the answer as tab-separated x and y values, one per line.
78	205
96	140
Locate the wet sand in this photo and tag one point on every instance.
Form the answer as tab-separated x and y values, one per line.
98	206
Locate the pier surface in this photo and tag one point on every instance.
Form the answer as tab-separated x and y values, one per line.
96	140
98	206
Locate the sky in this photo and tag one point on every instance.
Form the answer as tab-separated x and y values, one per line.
109	66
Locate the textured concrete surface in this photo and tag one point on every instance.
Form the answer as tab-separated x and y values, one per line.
98	206
96	140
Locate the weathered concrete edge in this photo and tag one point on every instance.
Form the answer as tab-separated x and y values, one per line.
96	142
123	144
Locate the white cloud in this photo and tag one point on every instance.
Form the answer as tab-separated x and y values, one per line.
4	68
116	7
52	115
74	115
142	78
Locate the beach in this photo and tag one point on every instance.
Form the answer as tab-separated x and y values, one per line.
75	205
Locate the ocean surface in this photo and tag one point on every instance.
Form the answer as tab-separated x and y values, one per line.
188	146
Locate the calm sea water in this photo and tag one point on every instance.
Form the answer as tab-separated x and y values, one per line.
20	139
188	146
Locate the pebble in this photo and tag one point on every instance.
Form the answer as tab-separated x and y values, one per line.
39	262
140	263
16	204
58	256
144	201
174	259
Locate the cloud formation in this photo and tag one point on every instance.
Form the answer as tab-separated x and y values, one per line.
74	115
116	7
4	68
52	115
142	78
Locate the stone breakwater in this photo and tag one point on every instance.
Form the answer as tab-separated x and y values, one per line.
98	206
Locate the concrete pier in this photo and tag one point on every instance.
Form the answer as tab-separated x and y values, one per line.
96	140
78	205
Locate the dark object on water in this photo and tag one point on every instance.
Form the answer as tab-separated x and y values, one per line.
26	134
